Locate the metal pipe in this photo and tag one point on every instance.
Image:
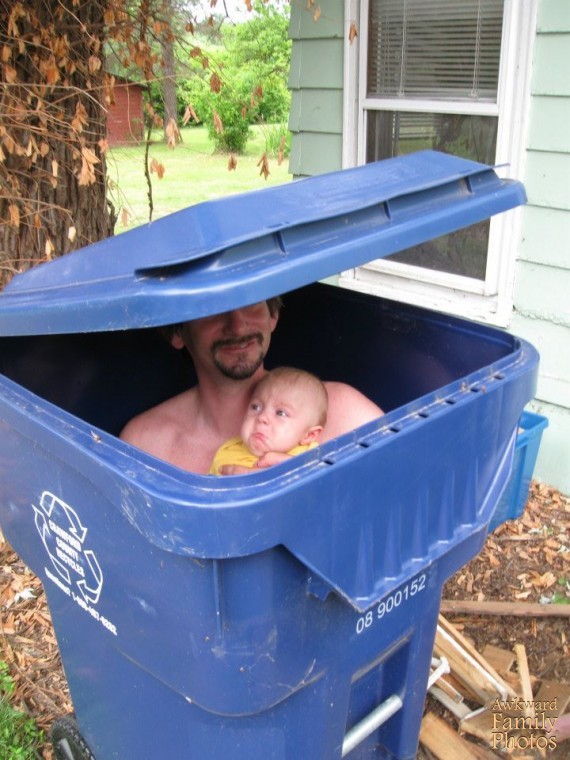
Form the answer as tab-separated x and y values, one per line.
441	668
370	723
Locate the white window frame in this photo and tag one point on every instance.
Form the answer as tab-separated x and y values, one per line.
489	300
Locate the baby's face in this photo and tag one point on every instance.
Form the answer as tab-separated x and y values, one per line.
278	418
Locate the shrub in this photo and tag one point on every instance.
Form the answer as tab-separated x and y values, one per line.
277	138
251	69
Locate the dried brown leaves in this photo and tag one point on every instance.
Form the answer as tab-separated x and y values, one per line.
263	163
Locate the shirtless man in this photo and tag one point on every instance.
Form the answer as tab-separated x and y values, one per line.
228	351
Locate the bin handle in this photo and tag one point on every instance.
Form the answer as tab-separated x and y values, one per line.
370	723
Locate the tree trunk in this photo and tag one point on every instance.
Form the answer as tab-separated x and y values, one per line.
52	131
169	83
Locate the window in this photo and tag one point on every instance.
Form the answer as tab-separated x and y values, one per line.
449	75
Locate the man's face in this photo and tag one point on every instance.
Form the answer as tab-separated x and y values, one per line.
235	342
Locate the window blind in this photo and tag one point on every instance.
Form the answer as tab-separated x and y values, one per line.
438	49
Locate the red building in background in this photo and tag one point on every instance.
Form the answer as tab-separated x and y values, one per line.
125	121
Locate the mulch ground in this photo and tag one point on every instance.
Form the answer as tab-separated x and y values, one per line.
525	560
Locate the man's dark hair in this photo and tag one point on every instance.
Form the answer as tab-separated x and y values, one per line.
274	305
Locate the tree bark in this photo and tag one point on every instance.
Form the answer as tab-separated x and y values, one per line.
169	84
52	132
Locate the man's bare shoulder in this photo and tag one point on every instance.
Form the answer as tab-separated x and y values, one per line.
153	427
348	409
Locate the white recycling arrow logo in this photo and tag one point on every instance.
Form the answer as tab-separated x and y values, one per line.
63	537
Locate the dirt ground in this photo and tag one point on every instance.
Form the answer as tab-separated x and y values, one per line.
525	560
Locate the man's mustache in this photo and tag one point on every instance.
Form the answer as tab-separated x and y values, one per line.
224	342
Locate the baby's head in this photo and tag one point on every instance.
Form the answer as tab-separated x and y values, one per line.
287	407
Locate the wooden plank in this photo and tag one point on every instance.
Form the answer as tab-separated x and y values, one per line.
500	659
514	609
499	685
463	670
479	725
461	687
446	744
450	686
457	708
557	695
524	675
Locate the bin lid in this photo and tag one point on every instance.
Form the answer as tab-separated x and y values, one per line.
233	251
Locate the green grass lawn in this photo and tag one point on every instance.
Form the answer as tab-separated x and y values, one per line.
192	173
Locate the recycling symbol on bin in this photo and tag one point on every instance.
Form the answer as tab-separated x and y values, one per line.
63	536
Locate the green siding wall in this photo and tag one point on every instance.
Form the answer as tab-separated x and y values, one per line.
316	82
551	64
328	25
533	282
546	177
554	16
314	154
548	114
541	301
545	236
316	111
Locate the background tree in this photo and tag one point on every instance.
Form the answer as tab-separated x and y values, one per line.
169	85
54	96
55	92
168	78
246	79
52	128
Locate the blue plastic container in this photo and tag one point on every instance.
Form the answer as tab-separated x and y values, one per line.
289	613
514	498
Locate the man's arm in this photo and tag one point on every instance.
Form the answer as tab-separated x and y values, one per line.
348	409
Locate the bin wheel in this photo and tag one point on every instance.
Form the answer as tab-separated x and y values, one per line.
68	743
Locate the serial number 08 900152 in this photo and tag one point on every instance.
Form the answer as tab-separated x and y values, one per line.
391	603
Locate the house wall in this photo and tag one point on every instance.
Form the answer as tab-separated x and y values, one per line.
316	84
125	115
541	311
541	298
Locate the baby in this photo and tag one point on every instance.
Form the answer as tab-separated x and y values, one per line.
286	415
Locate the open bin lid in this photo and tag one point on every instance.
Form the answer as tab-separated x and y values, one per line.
227	253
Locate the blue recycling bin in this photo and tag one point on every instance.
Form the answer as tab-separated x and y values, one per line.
289	613
513	501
